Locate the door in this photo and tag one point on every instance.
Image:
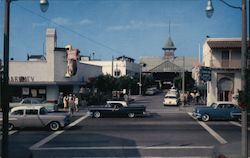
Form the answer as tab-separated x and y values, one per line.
17	118
31	118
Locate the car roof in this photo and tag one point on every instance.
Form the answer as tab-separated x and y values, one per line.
225	102
26	107
121	102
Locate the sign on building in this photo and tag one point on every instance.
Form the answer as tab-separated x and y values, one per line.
205	73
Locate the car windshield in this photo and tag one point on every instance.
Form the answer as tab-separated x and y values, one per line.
170	97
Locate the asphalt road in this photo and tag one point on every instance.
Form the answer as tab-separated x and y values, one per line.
164	132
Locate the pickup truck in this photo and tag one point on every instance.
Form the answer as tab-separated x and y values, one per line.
36	116
35	101
117	108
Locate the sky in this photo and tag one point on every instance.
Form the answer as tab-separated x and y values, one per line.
133	28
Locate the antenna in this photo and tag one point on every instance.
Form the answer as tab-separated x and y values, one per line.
169	29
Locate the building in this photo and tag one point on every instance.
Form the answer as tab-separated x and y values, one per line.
45	76
120	66
167	67
223	57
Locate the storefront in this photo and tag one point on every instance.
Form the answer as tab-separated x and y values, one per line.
59	72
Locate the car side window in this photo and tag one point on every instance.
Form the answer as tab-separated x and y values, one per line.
112	105
31	112
231	106
119	105
35	102
220	106
18	112
43	111
26	101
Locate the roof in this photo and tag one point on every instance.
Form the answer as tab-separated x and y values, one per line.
125	58
220	43
35	57
154	62
22	107
169	45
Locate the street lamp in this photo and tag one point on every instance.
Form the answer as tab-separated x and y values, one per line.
209	11
5	80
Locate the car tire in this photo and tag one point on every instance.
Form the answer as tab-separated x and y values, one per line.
10	126
205	117
97	114
54	126
131	115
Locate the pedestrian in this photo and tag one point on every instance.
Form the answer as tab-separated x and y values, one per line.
71	104
76	101
65	102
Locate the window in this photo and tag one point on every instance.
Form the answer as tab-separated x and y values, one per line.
225	58
31	112
18	112
43	111
26	101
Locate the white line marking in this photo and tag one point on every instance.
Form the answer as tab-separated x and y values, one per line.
211	131
126	147
55	134
238	124
10	133
157	157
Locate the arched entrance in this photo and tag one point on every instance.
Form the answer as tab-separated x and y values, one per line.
225	89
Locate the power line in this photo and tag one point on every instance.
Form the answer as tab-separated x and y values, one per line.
72	31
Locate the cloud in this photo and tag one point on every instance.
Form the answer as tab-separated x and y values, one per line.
132	25
65	21
85	22
61	21
34	25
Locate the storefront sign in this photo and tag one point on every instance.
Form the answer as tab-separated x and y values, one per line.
22	79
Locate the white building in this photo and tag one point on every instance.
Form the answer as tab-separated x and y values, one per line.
45	76
223	56
120	66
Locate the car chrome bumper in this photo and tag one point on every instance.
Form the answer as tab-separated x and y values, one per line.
196	115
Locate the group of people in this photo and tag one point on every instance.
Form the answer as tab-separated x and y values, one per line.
71	102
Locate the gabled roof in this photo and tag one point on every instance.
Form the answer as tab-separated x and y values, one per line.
166	66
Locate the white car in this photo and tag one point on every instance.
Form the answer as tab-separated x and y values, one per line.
170	100
36	116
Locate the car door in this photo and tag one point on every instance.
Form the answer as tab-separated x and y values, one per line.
223	112
31	118
17	118
218	112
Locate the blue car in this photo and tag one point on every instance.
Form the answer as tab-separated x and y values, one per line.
217	111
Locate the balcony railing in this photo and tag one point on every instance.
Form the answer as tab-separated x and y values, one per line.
226	64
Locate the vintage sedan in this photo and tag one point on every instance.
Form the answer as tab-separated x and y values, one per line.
217	111
35	101
117	108
36	116
171	99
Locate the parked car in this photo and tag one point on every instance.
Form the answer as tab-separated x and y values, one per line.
151	91
171	99
117	108
36	116
217	111
36	101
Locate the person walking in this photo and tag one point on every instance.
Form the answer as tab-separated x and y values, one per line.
71	104
76	101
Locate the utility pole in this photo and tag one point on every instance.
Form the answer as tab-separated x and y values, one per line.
183	80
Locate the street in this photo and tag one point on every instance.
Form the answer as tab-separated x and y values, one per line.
163	132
